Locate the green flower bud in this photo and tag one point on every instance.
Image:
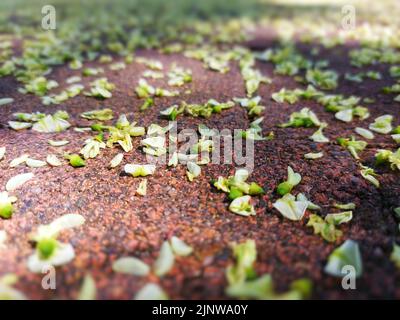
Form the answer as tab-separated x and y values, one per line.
255	189
76	161
46	247
97	127
234	193
217	108
284	188
6	210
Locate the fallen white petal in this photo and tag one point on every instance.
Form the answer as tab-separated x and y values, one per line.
364	133
151	291
9	293
131	265
88	290
58	143
116	161
165	260
180	248
53	160
20	160
68	221
32	163
19	180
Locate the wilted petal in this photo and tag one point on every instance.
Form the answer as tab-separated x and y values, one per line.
19	180
131	265
165	260
151	291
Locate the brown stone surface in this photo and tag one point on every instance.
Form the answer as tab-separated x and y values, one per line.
119	223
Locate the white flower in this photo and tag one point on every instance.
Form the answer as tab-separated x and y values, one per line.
49	251
242	206
290	208
154	146
194	170
142	170
222	184
345	115
154	142
51	123
203	145
382	124
241	175
245	102
92	148
155	130
348	254
63	254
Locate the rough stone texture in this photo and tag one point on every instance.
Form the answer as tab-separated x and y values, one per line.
120	223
